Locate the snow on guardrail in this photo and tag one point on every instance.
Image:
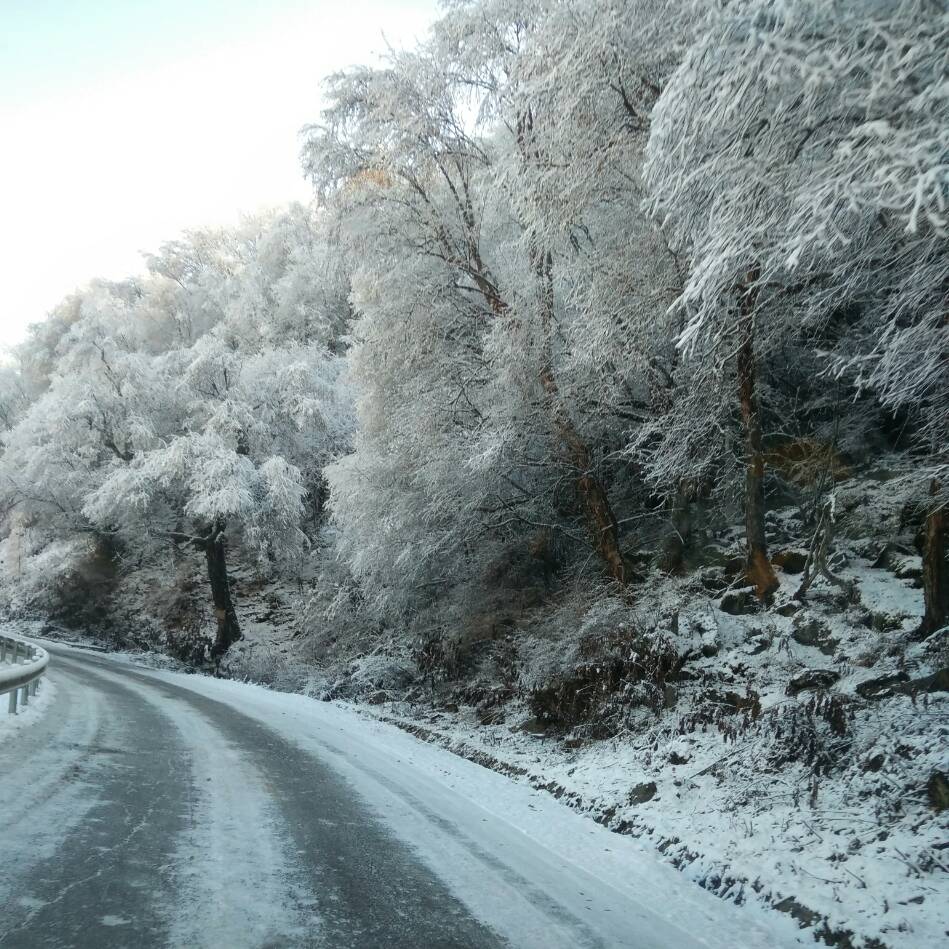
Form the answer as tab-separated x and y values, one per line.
21	667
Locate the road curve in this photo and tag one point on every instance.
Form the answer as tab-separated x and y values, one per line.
141	811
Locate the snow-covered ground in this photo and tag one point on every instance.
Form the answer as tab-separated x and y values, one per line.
812	802
527	866
26	715
780	772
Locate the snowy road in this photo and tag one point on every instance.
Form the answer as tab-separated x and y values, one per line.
158	809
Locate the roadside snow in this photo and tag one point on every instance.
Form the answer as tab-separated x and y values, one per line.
513	855
845	840
26	715
814	803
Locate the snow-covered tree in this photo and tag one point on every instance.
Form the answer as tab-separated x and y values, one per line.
784	150
500	285
200	402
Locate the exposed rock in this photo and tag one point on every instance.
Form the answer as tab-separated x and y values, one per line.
937	682
882	686
890	556
759	644
533	726
788	609
739	602
790	560
378	698
843	938
806	917
812	680
809	630
713	579
733	701
937	790
908	568
642	793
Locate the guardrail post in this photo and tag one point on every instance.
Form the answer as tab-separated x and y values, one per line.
23	682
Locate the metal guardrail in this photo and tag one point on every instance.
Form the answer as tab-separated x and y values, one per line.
21	667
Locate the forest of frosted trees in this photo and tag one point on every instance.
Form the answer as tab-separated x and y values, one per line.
592	420
582	281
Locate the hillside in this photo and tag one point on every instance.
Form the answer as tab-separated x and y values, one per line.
592	421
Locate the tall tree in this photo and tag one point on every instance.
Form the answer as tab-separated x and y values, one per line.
793	159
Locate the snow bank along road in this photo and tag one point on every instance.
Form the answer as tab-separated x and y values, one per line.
157	809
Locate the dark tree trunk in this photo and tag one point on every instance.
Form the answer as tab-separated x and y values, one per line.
600	516
176	542
935	568
318	497
676	542
758	569
228	629
601	520
596	503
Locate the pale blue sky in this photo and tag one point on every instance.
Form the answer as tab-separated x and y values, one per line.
46	43
125	121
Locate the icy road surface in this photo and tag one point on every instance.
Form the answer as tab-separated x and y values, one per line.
148	809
